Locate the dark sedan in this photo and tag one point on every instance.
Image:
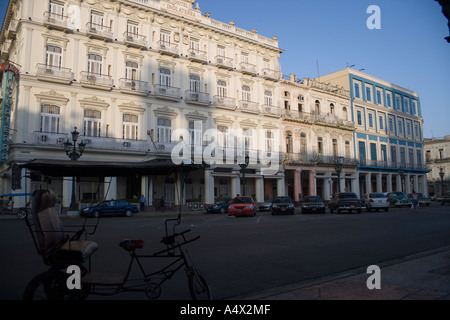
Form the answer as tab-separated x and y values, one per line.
221	207
282	205
110	208
312	204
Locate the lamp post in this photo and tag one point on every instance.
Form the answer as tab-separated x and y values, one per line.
338	162
74	154
441	175
243	167
401	173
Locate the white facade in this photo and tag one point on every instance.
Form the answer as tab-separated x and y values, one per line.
128	74
437	155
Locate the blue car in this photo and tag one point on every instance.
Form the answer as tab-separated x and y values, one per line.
221	207
110	208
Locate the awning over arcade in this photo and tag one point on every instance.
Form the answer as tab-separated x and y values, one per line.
66	168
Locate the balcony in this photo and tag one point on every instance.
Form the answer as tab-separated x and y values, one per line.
317	159
194	97
54	74
248	106
50	139
271	111
96	81
56	140
133	87
55	21
12	29
168	48
165	92
135	40
224	62
98	31
199	56
224	102
391	165
114	144
249	69
272	75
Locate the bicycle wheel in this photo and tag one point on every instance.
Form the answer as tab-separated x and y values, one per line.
52	285
198	287
21	214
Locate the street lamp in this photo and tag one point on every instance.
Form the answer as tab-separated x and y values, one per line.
74	154
441	175
243	167
338	162
401	173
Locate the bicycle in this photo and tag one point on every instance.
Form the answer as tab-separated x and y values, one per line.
52	284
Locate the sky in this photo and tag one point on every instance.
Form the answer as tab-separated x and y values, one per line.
323	36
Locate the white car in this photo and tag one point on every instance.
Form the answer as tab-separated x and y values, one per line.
376	201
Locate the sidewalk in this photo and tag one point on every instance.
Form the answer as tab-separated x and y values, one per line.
423	276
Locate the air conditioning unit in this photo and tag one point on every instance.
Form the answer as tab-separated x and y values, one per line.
192	54
93	29
91	78
162	90
163	46
219	60
130	38
194	96
48	71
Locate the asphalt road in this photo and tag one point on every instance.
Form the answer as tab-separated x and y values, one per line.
239	256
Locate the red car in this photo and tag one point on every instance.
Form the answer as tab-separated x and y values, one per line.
242	206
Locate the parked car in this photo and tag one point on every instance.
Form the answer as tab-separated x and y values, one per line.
345	201
445	198
376	201
110	208
242	206
312	204
265	206
398	199
282	205
423	201
221	207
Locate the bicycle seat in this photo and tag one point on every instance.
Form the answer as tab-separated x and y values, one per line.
130	245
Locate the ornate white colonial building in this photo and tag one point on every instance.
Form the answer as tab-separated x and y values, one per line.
128	74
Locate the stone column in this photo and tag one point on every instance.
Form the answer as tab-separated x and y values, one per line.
389	182
209	187
259	188
327	184
312	183
236	184
368	182
297	184
281	186
379	182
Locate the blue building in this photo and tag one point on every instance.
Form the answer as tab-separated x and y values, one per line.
388	138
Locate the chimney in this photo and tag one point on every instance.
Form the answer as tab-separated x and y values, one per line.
292	77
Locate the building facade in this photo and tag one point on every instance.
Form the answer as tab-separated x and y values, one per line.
137	78
437	155
317	130
388	139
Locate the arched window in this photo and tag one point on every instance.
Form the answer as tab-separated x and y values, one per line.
317	107
130	126
246	93
303	143
92	122
320	145
301	101
287	100
345	113
335	148
289	142
222	90
331	110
